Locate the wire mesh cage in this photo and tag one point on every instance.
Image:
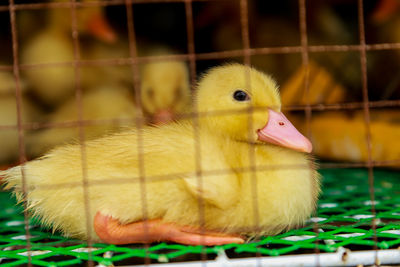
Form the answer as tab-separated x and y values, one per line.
72	72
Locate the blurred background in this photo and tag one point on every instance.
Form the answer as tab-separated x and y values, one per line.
48	77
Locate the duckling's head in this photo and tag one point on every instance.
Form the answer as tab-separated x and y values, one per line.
165	90
242	103
90	20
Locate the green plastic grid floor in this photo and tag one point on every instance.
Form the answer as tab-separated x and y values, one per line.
344	218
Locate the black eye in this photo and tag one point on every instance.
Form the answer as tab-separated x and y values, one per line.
240	95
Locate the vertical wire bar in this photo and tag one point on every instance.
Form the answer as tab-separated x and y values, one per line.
305	61
307	110
195	118
79	106
244	22
21	140
367	120
138	120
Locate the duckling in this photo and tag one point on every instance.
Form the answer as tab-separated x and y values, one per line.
102	104
111	75
385	10
323	89
53	84
8	117
348	141
165	90
285	183
165	93
164	85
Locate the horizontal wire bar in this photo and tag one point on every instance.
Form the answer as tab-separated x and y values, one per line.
217	172
51	5
207	56
317	107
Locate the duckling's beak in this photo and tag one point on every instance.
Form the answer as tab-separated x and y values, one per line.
163	116
101	29
384	10
280	131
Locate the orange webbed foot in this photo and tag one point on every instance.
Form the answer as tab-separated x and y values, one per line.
112	231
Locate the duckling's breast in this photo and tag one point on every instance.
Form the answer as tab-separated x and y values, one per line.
280	194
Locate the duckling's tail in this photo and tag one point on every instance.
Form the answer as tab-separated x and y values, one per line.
11	179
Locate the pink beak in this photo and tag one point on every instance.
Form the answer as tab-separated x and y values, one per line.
280	131
163	117
99	27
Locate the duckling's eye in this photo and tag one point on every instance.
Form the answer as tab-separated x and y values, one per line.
240	95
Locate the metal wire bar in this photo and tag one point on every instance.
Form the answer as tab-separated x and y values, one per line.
103	3
21	140
138	121
91	122
306	81
367	119
209	55
82	138
175	176
244	23
195	119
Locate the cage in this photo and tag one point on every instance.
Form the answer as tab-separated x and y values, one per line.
337	63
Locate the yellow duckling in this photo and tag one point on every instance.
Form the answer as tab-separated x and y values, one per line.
165	93
99	105
286	184
348	139
323	89
8	117
53	84
164	85
165	90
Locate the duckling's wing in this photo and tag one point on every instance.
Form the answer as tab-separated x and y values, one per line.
217	184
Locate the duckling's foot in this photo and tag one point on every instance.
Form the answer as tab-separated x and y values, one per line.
111	231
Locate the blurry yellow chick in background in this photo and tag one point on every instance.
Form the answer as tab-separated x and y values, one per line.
286	182
386	13
164	84
165	90
53	84
338	136
99	105
9	142
165	93
322	87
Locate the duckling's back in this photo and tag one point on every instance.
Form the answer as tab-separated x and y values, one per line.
112	170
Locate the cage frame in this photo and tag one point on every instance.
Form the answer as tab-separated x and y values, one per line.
304	49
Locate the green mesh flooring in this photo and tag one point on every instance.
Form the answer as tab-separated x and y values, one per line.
344	218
